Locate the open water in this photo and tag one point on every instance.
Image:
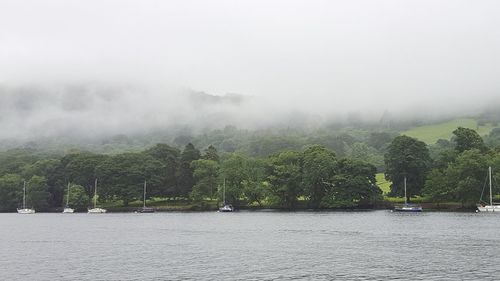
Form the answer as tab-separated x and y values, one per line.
375	245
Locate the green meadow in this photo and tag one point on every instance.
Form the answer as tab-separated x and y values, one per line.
383	183
431	133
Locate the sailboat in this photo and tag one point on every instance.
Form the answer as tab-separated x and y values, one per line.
25	210
67	209
96	210
492	207
144	208
407	207
225	207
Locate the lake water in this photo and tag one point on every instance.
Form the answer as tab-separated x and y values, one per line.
376	245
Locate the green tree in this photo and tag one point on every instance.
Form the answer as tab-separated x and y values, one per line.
78	198
52	170
37	193
285	177
254	183
353	185
185	172
319	166
407	157
11	192
80	169
122	176
169	157
211	154
379	140
233	171
466	139
361	151
437	186
206	173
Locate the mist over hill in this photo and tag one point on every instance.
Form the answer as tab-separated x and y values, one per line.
98	112
158	70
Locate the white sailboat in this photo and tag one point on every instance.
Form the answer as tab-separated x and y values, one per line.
492	207
225	207
25	210
144	208
67	209
407	207
96	210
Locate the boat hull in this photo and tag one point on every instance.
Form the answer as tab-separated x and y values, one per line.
226	209
97	211
68	210
407	208
489	209
146	210
25	211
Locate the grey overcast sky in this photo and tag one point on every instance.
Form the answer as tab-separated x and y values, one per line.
318	55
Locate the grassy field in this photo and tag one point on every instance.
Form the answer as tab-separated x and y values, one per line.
431	133
382	183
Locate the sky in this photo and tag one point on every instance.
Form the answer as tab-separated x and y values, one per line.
318	57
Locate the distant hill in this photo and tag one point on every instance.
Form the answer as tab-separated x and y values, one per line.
433	132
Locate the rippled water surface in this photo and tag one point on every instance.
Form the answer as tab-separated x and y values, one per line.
377	245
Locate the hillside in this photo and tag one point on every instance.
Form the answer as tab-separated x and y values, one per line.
431	133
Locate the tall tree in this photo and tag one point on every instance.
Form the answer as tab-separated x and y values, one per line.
285	177
122	176
232	173
169	157
407	157
319	166
206	173
38	193
80	168
185	172
211	154
466	139
353	185
463	180
78	198
11	192
52	170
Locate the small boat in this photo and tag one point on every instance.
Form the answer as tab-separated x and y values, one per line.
145	209
25	210
407	207
225	207
67	209
96	210
492	207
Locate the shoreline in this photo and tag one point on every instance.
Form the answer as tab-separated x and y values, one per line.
428	207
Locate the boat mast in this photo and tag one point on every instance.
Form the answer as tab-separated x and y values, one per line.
24	195
144	200
224	192
491	194
405	192
95	193
67	198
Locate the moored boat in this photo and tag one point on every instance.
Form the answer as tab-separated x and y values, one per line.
145	209
96	210
25	210
67	209
407	207
225	207
491	207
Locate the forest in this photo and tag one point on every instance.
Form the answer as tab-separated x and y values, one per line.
285	170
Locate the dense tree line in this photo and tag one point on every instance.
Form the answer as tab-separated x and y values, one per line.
315	176
456	173
324	175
